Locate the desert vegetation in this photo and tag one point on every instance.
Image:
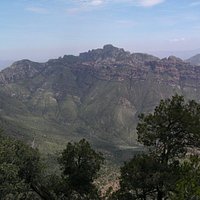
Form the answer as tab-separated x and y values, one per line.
168	167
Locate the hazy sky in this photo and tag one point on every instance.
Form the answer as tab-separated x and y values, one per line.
42	29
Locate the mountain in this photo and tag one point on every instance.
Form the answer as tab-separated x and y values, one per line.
195	60
184	54
97	95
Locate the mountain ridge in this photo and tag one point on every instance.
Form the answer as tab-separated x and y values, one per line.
97	95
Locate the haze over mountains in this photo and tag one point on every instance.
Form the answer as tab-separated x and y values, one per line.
184	54
5	63
195	60
97	95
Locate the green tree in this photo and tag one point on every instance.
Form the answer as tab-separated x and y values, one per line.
80	165
11	186
20	168
167	134
188	186
171	129
141	176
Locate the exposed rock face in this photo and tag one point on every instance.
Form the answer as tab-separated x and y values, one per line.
110	63
175	71
20	70
97	95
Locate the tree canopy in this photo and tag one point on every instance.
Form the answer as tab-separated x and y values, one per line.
21	172
168	134
20	167
80	164
171	129
188	185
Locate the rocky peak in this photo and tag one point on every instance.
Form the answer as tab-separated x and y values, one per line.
22	69
172	59
108	52
107	63
142	57
66	59
108	48
111	51
24	62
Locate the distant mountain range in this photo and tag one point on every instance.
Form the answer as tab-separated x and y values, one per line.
195	60
97	95
184	55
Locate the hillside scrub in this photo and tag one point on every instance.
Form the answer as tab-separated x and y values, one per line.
169	168
22	174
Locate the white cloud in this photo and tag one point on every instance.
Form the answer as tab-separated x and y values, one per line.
149	3
181	39
96	2
38	10
144	3
88	5
90	2
85	6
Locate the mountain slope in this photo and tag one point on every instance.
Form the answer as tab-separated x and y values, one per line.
97	95
195	60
